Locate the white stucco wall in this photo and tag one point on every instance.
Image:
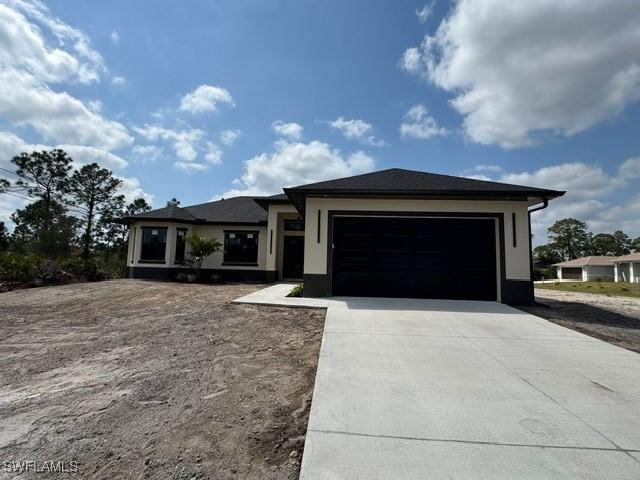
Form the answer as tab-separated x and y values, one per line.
207	231
277	213
516	258
135	243
594	272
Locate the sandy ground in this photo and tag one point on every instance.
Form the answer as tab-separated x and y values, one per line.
613	319
136	379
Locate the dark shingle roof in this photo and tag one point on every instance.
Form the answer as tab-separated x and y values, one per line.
280	198
397	179
400	182
238	210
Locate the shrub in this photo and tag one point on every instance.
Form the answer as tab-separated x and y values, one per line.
49	272
19	268
185	277
297	291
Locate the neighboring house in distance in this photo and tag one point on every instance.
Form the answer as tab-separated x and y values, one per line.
587	269
627	268
392	233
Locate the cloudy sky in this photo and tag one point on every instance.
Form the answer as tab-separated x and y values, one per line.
202	99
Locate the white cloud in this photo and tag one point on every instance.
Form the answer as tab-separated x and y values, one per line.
425	12
356	129
190	167
205	98
23	46
487	168
579	179
291	130
594	196
12	145
147	153
296	164
630	168
56	116
115	37
131	189
229	137
518	69
184	142
418	124
30	65
118	80
214	154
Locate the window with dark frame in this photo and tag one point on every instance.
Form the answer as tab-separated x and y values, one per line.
154	244
240	247
181	244
294	225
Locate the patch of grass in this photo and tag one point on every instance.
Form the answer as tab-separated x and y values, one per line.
613	289
297	291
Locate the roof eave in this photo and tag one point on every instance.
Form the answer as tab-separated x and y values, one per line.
298	196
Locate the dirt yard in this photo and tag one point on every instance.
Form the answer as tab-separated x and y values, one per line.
613	319
136	379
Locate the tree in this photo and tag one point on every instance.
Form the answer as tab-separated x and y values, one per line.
174	202
622	243
4	237
569	237
93	189
139	205
112	231
44	175
544	256
4	185
635	244
201	248
29	221
602	244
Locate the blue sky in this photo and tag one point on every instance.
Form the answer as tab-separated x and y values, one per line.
202	99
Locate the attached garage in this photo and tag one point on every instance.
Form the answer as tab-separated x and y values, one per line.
401	233
572	273
451	258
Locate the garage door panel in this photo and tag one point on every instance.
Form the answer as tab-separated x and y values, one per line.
414	257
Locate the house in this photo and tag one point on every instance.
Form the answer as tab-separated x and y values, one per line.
391	233
627	268
587	269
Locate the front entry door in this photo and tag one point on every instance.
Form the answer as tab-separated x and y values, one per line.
293	257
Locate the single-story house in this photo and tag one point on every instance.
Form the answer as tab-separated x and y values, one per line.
587	269
627	268
391	233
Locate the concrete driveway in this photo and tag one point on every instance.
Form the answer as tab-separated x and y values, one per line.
428	389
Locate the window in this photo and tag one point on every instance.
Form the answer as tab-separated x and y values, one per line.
154	244
241	247
294	226
181	242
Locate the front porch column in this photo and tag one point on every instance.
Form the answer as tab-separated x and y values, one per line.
615	272
632	277
272	240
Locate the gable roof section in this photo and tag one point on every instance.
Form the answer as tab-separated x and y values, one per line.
237	210
632	257
593	260
397	182
278	199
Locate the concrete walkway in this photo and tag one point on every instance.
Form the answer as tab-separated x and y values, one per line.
411	389
276	296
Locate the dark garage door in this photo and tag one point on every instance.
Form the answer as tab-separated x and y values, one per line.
571	273
414	257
